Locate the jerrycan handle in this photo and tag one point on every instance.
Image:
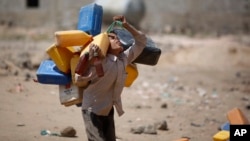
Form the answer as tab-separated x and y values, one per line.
83	64
115	23
128	27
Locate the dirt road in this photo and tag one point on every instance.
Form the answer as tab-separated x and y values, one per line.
195	83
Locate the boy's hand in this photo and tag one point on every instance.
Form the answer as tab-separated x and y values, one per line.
94	51
126	25
120	18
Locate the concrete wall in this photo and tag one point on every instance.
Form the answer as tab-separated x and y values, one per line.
207	15
223	16
50	13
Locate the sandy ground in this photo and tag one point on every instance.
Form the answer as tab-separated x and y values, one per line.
198	80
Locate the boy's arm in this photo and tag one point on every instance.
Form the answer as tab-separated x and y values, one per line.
140	39
87	76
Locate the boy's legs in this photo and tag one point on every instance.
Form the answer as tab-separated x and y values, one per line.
99	128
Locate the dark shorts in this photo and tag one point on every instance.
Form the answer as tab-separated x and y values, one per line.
99	128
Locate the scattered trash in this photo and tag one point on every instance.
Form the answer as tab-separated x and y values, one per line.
214	94
66	132
179	101
201	92
166	95
48	133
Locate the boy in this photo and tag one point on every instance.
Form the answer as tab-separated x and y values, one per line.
104	93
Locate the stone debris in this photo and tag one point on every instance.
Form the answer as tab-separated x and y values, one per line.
150	128
162	125
68	132
164	105
137	130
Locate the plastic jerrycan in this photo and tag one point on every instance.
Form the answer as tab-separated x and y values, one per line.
102	41
132	72
70	94
48	73
236	116
221	136
61	56
90	19
72	38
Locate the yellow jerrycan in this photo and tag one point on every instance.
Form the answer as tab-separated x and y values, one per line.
61	57
72	38
75	49
132	72
222	135
102	41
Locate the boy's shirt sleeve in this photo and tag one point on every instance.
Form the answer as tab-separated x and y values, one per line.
83	79
135	50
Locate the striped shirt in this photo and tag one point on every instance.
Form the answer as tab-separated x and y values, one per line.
104	92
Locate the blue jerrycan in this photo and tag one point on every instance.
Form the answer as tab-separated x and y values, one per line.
48	73
90	19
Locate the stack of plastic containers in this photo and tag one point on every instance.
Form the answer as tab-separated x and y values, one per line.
67	52
64	54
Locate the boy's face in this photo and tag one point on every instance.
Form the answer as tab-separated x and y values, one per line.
115	44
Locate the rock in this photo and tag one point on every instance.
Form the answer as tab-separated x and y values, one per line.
238	74
20	124
138	107
164	106
27	76
248	107
150	129
137	130
161	125
68	132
